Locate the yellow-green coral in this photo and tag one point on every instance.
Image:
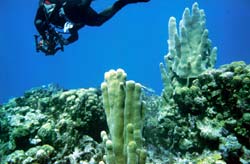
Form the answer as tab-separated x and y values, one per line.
124	112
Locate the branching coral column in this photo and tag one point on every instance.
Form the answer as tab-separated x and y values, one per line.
125	116
190	50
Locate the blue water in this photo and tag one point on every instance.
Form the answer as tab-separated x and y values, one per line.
135	40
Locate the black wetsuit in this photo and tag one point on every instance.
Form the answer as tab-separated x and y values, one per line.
77	11
42	20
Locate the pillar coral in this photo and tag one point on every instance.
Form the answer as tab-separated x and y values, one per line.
125	115
190	51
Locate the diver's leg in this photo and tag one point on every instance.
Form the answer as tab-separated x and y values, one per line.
40	22
97	19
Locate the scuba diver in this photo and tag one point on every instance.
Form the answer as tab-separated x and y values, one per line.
69	16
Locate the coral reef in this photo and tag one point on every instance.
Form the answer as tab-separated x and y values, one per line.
48	123
202	116
207	122
203	112
220	124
